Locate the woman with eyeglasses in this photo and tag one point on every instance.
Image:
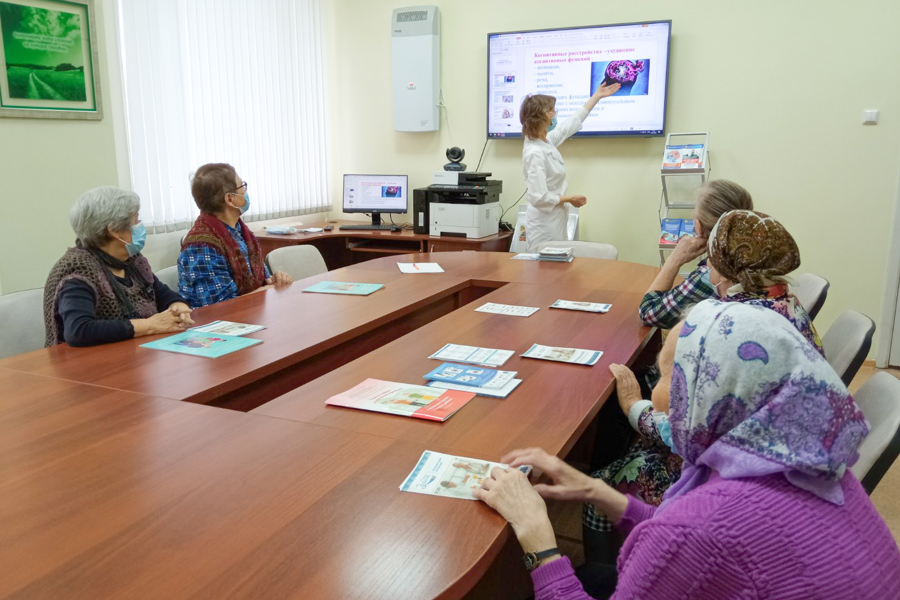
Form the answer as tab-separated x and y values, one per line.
220	257
103	290
542	164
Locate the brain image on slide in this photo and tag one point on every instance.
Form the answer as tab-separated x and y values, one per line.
632	75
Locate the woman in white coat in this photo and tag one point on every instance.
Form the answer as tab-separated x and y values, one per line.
543	166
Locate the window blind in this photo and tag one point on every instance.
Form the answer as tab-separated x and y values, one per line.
236	81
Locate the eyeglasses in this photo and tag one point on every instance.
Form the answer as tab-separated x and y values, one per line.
243	185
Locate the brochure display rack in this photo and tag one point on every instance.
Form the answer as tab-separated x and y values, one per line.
686	156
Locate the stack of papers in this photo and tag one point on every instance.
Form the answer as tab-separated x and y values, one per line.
507	309
478	380
585	306
550	254
446	475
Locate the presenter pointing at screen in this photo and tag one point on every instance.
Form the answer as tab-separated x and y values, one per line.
543	166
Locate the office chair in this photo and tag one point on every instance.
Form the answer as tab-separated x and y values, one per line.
22	315
847	343
169	276
299	262
879	400
811	290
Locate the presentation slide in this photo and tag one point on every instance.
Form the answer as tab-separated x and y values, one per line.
380	193
570	64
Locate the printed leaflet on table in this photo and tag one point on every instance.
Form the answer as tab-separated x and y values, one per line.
471	376
202	344
503	392
227	328
575	356
489	357
402	399
453	476
415	268
507	309
595	307
341	287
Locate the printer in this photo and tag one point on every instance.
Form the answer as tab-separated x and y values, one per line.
458	203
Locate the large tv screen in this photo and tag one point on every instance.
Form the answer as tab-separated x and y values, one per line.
570	64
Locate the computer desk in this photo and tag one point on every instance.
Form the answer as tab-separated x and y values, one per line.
107	490
341	248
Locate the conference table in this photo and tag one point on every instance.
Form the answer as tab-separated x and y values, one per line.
125	474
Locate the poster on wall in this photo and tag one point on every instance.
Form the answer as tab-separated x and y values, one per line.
48	60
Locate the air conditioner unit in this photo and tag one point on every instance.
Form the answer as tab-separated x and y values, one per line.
416	68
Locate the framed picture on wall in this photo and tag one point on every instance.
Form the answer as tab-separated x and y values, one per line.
49	60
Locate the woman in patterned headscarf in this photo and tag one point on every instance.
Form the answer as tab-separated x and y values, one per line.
749	255
766	506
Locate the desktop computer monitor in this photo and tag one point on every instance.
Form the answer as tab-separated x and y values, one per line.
375	194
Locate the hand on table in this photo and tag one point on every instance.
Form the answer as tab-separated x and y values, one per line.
279	278
568	482
183	312
627	388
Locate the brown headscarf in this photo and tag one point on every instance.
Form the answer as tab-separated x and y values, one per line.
753	249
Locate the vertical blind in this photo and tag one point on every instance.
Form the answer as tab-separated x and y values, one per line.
236	81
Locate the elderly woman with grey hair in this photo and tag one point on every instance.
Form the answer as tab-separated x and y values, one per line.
103	289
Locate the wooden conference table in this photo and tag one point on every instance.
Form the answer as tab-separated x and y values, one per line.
111	486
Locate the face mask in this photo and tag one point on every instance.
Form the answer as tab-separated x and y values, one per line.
661	420
246	205
552	125
705	279
138	239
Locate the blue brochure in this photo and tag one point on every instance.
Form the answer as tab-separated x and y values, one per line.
341	287
207	345
471	376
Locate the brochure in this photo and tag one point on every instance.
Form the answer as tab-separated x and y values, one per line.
574	356
227	328
340	287
447	475
507	309
402	399
687	228
202	344
419	268
549	254
585	306
526	256
503	392
488	357
684	156
671	229
471	376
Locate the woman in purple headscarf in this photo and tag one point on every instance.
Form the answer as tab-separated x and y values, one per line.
766	506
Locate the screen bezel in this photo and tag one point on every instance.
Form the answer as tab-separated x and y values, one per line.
582	134
369	211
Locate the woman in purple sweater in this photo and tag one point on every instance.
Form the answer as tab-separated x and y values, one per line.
765	507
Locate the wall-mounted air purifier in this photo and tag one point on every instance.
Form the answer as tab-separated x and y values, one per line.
416	68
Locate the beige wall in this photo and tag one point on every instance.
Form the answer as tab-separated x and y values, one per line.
780	86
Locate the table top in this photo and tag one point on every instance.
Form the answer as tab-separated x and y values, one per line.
111	487
403	234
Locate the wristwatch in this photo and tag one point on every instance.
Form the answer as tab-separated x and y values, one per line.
533	559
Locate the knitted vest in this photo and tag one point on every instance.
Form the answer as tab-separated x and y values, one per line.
209	231
78	263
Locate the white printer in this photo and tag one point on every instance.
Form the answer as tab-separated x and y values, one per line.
467	207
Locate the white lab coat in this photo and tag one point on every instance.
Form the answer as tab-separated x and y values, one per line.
545	176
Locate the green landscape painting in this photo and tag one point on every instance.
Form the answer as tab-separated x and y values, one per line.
44	53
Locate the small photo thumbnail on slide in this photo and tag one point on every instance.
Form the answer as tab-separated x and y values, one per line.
510	79
632	75
508	98
390	191
506	113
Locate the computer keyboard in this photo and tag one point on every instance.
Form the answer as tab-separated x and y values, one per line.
370	227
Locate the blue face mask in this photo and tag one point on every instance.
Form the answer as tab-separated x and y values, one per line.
552	125
661	420
138	239
246	205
